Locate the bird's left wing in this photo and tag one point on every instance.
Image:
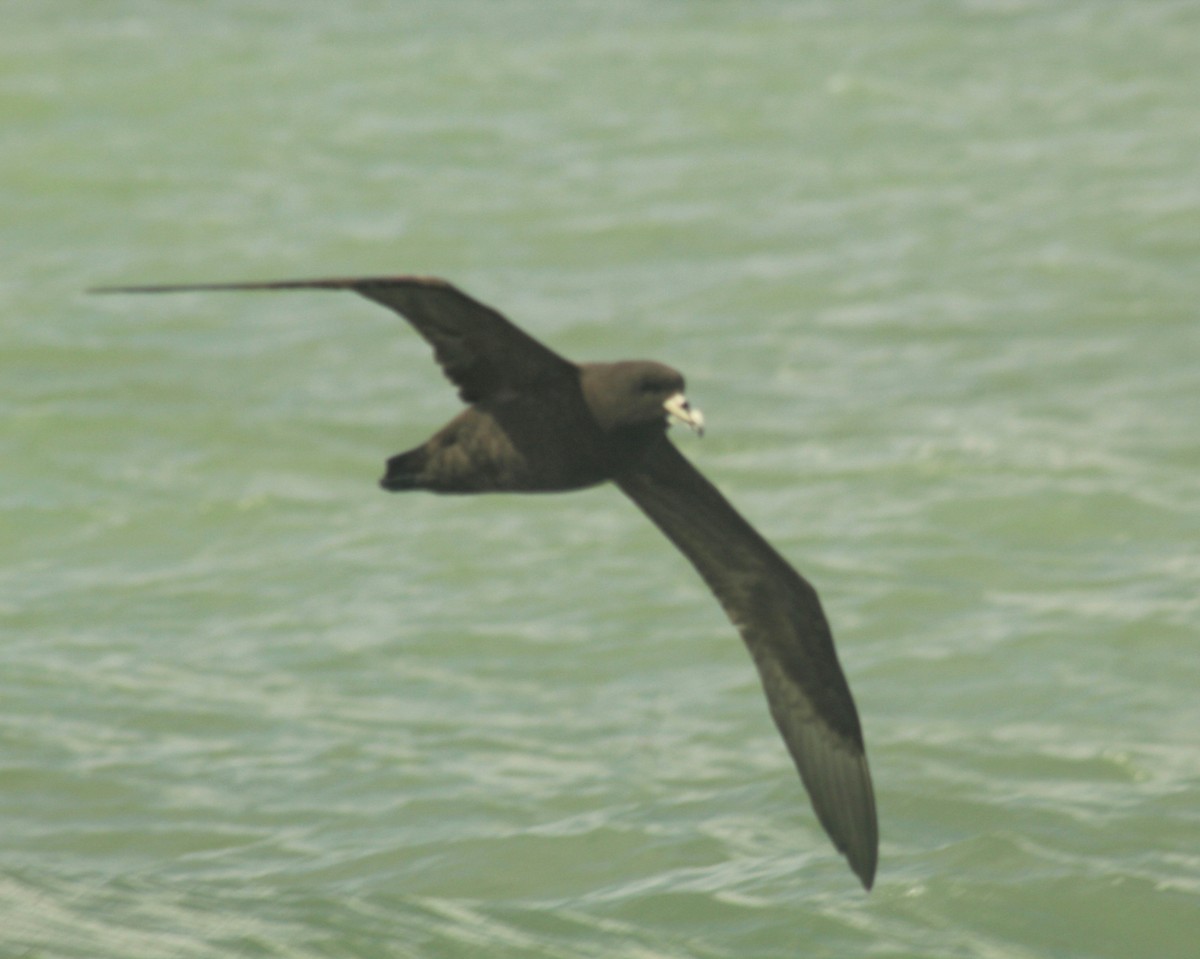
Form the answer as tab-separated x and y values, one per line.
481	352
781	621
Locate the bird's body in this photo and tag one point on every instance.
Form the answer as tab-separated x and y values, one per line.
519	445
536	422
554	435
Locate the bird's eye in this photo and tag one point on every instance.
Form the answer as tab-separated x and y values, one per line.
649	385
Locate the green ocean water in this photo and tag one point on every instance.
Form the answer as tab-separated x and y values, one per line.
931	271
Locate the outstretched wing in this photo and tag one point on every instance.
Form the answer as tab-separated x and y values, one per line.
780	618
481	352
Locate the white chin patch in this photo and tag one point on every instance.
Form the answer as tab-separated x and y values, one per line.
679	409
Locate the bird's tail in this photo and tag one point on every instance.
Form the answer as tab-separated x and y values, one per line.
405	471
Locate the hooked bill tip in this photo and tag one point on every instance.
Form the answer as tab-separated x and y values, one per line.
678	408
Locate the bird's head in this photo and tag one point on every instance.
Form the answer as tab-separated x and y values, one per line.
637	393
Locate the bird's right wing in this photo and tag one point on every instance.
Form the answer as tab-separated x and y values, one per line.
481	352
781	621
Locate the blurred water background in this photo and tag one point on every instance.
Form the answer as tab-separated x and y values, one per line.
931	270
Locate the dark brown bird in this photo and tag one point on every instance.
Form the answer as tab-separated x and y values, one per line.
536	422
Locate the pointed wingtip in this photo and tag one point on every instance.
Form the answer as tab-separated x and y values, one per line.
856	830
327	283
860	847
864	868
838	780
